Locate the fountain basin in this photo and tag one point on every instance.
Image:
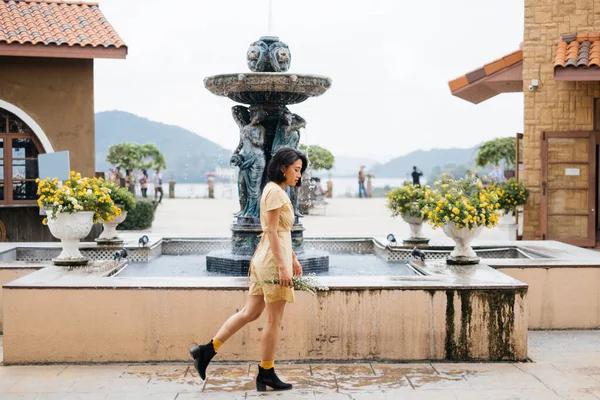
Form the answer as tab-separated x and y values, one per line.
267	88
441	314
196	265
84	317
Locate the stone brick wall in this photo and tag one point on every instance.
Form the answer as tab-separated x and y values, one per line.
555	106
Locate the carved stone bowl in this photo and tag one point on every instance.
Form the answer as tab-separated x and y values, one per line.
267	88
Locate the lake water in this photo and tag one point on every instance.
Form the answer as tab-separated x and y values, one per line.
342	187
193	265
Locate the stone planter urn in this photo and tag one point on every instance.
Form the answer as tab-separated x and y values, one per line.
507	225
416	230
70	228
463	253
109	235
506	218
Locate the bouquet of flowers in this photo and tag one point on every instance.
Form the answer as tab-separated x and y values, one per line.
408	199
464	202
76	194
511	194
308	283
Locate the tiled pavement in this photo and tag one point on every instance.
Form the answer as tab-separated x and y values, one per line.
565	365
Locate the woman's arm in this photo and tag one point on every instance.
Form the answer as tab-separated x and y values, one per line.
285	278
296	267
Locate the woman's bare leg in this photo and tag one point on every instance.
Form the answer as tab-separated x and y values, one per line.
251	311
270	334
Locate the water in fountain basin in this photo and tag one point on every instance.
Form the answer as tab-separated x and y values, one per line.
194	265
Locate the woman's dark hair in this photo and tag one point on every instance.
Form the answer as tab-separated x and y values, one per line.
285	157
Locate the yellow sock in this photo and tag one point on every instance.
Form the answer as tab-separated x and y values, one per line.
217	344
267	364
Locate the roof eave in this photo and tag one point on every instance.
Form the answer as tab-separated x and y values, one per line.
504	75
572	74
507	80
55	51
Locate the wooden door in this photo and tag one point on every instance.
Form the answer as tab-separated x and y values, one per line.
519	165
519	154
568	187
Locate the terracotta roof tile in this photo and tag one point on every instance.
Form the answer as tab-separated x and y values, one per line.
487	70
63	23
578	50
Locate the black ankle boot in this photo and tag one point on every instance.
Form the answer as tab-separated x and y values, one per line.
267	377
202	354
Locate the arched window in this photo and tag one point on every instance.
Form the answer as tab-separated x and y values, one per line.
19	150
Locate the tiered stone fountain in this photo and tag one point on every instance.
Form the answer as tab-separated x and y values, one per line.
265	126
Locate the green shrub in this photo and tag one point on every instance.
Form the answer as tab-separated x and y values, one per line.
140	217
121	197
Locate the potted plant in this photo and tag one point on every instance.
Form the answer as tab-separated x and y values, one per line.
407	201
124	200
511	195
72	208
462	209
494	151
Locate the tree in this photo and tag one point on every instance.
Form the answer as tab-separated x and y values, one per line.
135	156
124	155
319	158
494	151
152	158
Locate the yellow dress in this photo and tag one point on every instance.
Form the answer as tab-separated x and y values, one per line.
263	265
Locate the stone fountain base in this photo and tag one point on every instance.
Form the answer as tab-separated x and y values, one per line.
227	263
245	238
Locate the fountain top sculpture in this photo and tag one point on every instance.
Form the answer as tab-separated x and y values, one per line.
268	84
268	54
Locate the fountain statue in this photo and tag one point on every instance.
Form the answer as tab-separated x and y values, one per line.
287	134
249	156
265	125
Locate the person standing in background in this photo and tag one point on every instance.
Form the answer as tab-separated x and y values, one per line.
416	176
497	174
361	182
157	180
120	179
144	183
130	181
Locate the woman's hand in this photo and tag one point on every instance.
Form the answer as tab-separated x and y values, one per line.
296	267
285	279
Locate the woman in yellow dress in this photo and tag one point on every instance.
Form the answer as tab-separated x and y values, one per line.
273	259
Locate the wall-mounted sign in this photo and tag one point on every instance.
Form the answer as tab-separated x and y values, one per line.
54	165
572	172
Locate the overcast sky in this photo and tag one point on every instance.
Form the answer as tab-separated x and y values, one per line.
390	62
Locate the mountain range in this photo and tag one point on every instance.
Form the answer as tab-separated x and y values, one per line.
425	161
190	156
